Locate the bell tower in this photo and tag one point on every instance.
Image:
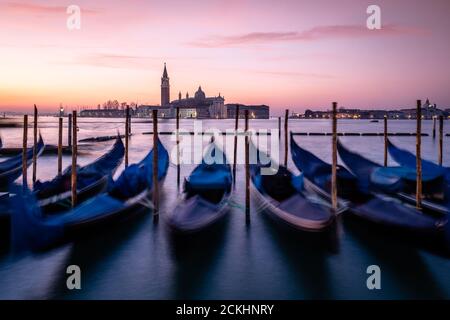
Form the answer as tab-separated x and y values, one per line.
165	88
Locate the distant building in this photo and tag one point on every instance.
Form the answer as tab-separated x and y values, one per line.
165	88
255	111
104	113
198	107
146	111
428	112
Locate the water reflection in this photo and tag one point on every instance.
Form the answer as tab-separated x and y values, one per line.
195	256
404	273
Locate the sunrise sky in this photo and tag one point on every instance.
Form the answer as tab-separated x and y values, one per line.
296	54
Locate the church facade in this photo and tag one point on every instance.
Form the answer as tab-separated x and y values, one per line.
199	106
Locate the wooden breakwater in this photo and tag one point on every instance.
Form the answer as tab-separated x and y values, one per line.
359	134
352	134
104	138
48	150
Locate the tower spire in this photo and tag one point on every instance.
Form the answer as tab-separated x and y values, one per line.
165	87
165	75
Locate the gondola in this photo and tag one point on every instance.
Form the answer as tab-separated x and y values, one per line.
282	196
407	159
11	169
396	181
438	189
127	196
206	194
376	208
55	196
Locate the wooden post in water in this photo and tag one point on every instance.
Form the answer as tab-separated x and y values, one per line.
155	164
441	139
60	136
385	142
236	127
279	128
434	127
247	167
74	158
127	133
418	155
69	131
129	121
177	127
35	129
286	144
334	160
24	153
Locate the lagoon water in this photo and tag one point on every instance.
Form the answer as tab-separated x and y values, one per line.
237	259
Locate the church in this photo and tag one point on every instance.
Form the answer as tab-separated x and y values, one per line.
198	106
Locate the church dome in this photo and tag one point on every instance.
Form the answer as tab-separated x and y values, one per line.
200	95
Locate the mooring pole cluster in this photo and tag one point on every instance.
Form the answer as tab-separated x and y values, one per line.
73	144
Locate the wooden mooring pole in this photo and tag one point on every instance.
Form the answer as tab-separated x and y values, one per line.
177	127
69	131
127	134
286	144
236	127
129	121
434	127
155	164
24	153
35	129
441	139
74	158
385	142
418	155
60	138
247	167
334	160
279	128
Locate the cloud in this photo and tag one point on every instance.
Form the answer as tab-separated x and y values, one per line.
313	34
24	7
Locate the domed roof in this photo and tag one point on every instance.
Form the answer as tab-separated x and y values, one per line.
200	95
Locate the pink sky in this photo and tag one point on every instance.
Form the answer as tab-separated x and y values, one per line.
296	54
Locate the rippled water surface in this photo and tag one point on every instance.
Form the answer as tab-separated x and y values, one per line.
237	259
